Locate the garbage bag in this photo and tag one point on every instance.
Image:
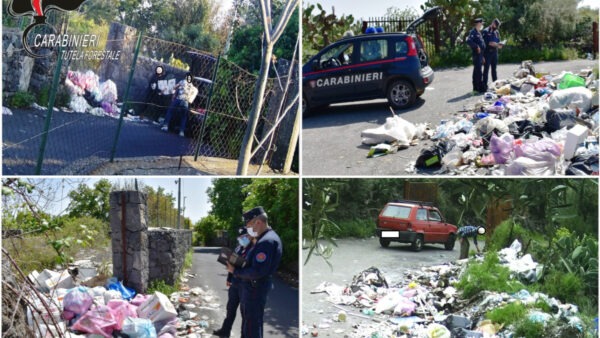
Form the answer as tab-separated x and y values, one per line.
545	149
121	310
139	328
581	165
395	129
530	167
488	125
557	119
432	158
570	81
524	129
126	292
579	97
371	276
501	147
99	320
388	302
78	300
405	307
79	105
108	90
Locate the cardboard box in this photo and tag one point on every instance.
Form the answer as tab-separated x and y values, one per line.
157	308
575	137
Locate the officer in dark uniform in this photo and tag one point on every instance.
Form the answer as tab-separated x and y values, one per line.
234	292
255	279
475	41
491	37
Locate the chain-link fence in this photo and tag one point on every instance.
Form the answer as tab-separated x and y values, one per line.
132	101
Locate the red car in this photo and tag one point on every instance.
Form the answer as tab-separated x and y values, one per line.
416	223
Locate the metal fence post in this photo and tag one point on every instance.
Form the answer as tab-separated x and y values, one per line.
124	108
55	79
210	94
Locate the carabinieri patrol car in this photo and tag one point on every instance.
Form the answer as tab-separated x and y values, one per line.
369	66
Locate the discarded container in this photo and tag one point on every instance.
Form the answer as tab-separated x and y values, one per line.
78	300
454	322
48	280
139	328
157	308
575	137
570	81
437	331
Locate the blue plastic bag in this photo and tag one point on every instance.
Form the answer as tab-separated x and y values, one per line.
114	284
139	328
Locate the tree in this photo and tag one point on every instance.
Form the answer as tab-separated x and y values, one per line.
205	228
321	29
459	15
226	197
92	202
271	35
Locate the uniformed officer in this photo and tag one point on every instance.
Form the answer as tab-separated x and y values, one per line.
491	37
475	41
255	279
234	292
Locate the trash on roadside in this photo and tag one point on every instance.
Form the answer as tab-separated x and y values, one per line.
89	95
156	308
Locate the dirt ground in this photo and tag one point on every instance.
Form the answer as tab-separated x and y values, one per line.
186	165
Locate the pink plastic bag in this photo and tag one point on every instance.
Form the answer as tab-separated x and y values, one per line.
405	307
501	147
99	320
139	299
78	300
543	150
121	310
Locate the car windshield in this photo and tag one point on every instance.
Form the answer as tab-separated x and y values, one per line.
396	211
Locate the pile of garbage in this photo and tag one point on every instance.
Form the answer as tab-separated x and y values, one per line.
531	124
425	303
89	95
73	303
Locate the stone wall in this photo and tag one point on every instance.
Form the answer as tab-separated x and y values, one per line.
142	254
168	248
17	67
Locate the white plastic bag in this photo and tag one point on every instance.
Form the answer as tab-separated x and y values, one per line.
394	129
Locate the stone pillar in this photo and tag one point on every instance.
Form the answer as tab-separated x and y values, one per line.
120	38
129	225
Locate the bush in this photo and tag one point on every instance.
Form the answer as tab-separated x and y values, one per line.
162	287
516	54
567	287
508	314
502	236
44	96
530	329
488	275
22	99
357	228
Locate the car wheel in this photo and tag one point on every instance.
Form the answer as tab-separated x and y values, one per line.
384	242
401	94
450	243
305	107
417	245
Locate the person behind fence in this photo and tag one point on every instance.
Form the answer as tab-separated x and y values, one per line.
153	98
491	37
185	94
256	277
475	41
234	292
466	232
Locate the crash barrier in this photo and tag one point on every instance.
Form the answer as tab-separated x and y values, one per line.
140	254
99	110
429	31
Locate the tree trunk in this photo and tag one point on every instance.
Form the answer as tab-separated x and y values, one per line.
257	103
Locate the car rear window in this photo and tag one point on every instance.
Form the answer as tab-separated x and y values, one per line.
396	211
401	48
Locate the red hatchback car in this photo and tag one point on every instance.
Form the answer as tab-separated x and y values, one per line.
416	223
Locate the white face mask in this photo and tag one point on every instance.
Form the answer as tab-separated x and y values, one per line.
251	232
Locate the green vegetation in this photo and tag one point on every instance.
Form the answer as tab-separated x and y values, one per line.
162	287
488	275
505	233
189	260
231	197
530	329
22	99
507	314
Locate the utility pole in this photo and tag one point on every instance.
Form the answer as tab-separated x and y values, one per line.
178	182
183	211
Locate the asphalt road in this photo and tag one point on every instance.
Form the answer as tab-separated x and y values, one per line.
351	257
77	141
281	312
331	137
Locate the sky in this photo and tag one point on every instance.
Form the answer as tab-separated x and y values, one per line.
194	189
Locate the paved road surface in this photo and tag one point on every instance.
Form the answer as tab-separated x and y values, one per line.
281	313
331	138
353	256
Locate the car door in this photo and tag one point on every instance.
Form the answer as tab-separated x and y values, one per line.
421	224
437	225
374	61
329	78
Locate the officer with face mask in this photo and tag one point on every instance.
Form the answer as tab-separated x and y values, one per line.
234	292
255	278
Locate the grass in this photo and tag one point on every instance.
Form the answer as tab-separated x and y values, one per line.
488	275
162	287
357	228
530	329
187	263
508	314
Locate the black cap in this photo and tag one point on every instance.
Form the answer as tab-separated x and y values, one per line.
497	22
479	20
251	214
242	230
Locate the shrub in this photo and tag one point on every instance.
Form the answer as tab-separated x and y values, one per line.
22	99
565	286
508	314
488	275
357	228
162	287
529	329
44	96
502	236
